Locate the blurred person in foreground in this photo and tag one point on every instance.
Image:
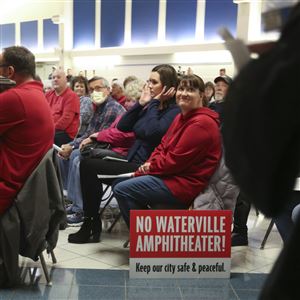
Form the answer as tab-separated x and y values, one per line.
262	141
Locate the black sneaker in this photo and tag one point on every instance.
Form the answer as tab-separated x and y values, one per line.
238	239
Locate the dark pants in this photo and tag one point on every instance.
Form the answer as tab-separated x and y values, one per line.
284	222
283	281
91	185
241	213
61	137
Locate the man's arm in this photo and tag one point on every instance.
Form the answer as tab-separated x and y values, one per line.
11	111
70	109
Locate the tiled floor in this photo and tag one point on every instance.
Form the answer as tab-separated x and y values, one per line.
100	271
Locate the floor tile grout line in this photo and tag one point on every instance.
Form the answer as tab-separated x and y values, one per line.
233	290
72	283
125	285
180	292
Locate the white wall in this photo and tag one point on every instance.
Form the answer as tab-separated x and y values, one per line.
13	11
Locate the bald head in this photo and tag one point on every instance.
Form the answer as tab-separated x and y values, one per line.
59	81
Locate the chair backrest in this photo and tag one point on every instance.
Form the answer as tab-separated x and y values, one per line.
40	207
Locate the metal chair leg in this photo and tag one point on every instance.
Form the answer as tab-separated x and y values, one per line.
43	263
262	246
106	204
114	222
125	245
54	261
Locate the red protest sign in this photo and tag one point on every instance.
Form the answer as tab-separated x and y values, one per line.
180	233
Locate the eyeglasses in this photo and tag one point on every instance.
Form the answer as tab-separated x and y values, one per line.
97	88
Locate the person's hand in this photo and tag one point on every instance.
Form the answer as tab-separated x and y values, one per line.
144	168
66	151
166	95
146	95
94	135
85	142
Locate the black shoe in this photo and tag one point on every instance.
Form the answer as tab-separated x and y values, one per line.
88	233
238	239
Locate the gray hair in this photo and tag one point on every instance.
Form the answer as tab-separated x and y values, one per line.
134	89
105	81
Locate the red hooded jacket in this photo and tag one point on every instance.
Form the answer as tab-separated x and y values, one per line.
188	154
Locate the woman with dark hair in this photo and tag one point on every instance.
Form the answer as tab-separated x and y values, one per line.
79	85
182	165
149	119
209	91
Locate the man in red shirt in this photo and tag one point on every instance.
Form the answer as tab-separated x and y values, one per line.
26	126
65	106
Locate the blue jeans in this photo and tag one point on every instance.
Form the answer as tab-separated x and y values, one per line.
74	186
144	192
71	179
64	171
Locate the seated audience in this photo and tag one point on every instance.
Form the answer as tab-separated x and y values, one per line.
119	143
117	92
129	79
79	85
222	72
64	104
209	91
47	86
182	165
69	76
54	68
149	119
221	88
106	111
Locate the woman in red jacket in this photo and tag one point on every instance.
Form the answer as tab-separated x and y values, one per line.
182	165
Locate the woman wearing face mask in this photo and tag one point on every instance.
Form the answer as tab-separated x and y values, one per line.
149	119
182	165
80	86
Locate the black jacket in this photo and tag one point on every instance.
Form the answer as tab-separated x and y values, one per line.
31	225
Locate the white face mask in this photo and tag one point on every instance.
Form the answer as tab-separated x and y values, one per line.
98	97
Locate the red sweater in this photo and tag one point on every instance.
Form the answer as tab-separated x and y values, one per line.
122	100
65	111
188	154
26	134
